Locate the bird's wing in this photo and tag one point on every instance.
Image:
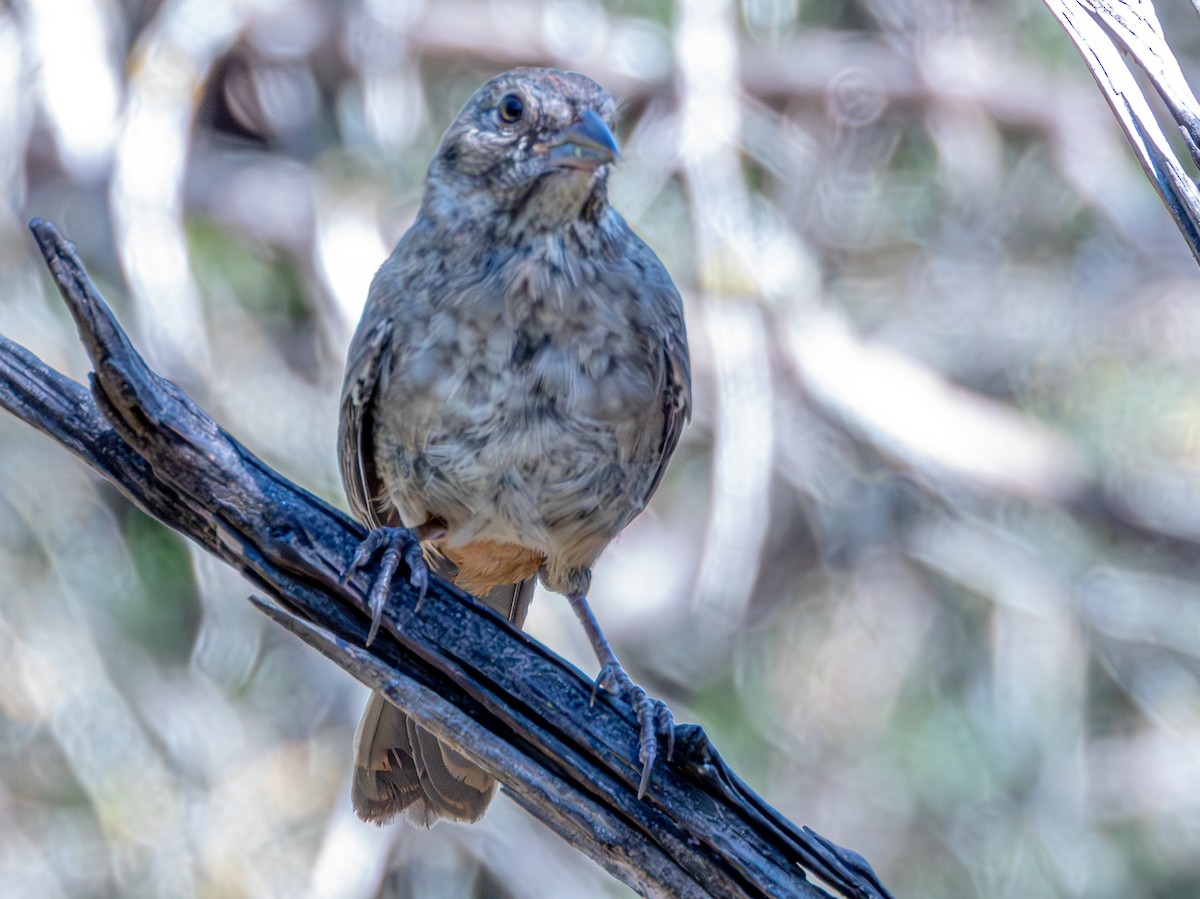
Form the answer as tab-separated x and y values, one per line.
356	451
677	386
677	404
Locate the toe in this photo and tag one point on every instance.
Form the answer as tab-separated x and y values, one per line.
418	571
653	718
647	747
393	546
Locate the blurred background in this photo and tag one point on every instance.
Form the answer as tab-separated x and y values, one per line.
926	564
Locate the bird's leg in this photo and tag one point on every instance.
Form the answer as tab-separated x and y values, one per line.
652	714
392	546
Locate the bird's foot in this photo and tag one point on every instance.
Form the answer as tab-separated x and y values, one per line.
392	546
652	714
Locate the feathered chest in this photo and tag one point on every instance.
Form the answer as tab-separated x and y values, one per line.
542	335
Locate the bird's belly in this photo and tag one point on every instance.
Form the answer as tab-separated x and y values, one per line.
531	474
530	456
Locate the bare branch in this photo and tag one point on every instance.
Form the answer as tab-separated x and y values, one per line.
1101	30
488	690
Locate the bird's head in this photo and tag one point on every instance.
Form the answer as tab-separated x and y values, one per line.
532	145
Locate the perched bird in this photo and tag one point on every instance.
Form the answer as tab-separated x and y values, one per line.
513	392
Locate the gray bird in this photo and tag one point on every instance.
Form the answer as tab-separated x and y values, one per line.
513	392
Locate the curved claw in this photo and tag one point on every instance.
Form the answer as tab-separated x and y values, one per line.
393	546
652	714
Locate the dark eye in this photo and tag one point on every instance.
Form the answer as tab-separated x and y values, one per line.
510	108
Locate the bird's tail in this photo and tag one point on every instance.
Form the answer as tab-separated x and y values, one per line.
398	766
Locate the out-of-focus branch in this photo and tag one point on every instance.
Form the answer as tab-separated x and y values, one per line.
804	66
924	422
854	383
484	688
956	443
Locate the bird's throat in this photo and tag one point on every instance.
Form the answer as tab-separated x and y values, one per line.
559	198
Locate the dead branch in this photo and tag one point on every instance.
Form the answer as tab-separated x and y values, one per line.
1103	31
490	691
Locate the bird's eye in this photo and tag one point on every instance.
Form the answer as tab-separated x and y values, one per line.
510	108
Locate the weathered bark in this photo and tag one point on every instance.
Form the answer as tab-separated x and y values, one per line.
492	692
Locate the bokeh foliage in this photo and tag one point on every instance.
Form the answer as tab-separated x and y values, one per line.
924	564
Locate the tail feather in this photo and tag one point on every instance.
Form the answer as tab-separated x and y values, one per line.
399	766
452	786
386	778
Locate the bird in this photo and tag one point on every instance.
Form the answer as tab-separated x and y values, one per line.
517	383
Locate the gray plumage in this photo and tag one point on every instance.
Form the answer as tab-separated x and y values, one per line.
515	388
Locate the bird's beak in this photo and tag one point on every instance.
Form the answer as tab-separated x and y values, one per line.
587	145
